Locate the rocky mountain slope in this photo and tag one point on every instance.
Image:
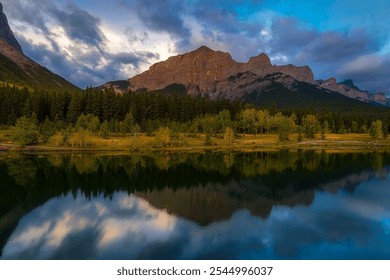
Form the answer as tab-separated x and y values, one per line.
349	89
199	70
215	74
6	33
17	69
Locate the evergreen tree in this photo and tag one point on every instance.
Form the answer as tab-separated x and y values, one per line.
25	132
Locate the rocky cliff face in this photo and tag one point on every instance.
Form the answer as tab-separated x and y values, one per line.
345	89
6	33
349	89
200	67
216	75
203	67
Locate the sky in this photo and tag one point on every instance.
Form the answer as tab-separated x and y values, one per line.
90	42
341	225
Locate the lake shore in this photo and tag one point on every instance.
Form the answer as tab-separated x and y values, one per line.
243	143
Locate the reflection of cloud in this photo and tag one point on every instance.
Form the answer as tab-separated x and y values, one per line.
340	225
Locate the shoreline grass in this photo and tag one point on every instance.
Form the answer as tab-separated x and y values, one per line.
244	143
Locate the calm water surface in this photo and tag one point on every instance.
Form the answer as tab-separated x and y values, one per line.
283	205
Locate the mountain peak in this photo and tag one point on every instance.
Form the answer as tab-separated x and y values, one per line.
203	49
350	83
6	33
203	68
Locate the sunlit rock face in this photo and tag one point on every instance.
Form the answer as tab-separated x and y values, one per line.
203	67
207	72
215	74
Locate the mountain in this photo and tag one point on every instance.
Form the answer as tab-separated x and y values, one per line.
6	33
349	89
200	69
17	69
205	72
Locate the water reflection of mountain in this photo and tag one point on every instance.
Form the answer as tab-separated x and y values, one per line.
200	187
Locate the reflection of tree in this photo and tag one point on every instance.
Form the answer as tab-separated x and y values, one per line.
376	160
228	159
162	162
22	170
57	160
275	175
85	164
228	181
312	160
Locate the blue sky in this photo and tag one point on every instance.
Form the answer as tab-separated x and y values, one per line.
90	42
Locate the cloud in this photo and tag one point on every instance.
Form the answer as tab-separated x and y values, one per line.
341	225
69	41
91	38
78	24
133	58
303	44
371	71
165	15
346	55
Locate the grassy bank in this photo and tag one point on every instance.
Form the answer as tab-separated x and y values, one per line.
246	142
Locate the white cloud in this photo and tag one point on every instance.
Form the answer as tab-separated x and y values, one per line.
362	64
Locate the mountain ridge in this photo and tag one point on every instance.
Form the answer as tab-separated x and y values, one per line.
6	33
203	66
210	73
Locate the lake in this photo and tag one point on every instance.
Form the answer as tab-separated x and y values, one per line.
261	205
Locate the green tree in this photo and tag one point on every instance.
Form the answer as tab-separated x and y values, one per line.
375	130
223	121
80	138
262	117
74	108
285	126
88	122
163	136
310	125
207	139
247	120
105	130
228	136
127	125
324	130
25	132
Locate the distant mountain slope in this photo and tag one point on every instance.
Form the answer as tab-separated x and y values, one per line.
349	89
6	32
285	94
19	70
216	75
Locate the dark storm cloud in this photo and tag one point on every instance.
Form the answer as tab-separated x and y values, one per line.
217	18
304	44
133	58
165	15
79	24
29	13
346	55
371	72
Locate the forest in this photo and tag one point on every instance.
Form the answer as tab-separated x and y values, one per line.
69	117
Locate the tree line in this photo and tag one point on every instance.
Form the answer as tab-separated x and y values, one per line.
92	111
